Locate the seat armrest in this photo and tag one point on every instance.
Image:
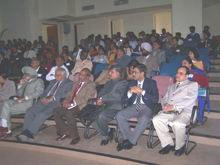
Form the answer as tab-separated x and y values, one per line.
194	116
157	109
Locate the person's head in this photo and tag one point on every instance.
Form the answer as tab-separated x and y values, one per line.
84	74
23	44
60	74
117	38
169	37
131	65
163	31
34	45
9	52
182	73
65	47
156	45
28	73
139	72
113	44
139	41
83	55
108	41
2	55
126	44
114	49
153	38
92	49
175	41
1	47
97	42
147	36
115	72
90	39
59	61
27	47
82	42
207	34
153	32
15	49
101	50
35	63
65	55
43	59
3	77
192	29
146	48
193	53
119	34
206	28
187	62
14	41
120	52
29	43
40	38
24	40
178	35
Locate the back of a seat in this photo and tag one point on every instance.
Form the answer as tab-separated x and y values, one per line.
166	52
188	44
100	67
169	69
163	82
203	51
76	78
177	59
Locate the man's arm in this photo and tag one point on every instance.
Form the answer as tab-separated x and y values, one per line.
165	98
38	89
153	96
50	76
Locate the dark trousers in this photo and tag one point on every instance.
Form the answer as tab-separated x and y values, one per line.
69	115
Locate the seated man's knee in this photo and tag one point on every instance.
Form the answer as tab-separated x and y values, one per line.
119	115
178	124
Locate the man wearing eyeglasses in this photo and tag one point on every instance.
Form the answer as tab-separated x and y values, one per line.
141	95
177	105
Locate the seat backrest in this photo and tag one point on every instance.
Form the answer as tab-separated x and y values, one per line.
203	51
187	44
100	67
133	57
169	69
76	77
177	59
163	82
166	52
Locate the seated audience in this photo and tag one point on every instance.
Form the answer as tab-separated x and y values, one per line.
147	59
177	105
112	54
178	35
83	45
108	45
16	60
122	59
2	49
97	41
76	52
176	49
93	52
159	53
41	71
153	33
35	48
133	43
111	95
29	88
9	54
59	64
130	69
141	95
75	100
68	63
45	63
196	75
28	55
163	35
4	63
40	41
194	56
90	42
101	58
208	43
167	41
206	29
192	36
127	48
138	49
65	49
36	115
152	39
118	41
79	65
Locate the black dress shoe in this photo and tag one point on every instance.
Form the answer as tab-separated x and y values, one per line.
111	134
180	151
128	145
104	142
167	149
120	146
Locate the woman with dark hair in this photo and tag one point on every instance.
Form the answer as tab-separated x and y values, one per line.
130	68
7	88
112	54
196	74
194	56
92	52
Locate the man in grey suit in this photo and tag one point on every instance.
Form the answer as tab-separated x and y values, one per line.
147	59
177	105
141	95
29	88
36	115
111	95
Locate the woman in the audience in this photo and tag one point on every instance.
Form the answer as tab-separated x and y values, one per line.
112	54
93	52
75	52
194	56
129	69
196	74
7	88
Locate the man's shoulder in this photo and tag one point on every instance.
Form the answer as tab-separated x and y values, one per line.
149	81
37	80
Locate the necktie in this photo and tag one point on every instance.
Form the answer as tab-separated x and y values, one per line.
22	96
178	84
53	90
76	90
138	102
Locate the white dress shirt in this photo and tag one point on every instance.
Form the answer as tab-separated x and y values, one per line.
51	75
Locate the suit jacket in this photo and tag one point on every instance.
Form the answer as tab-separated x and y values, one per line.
69	65
112	92
7	90
160	54
33	90
18	58
151	96
42	72
179	50
86	92
195	38
151	63
210	43
183	97
3	65
61	92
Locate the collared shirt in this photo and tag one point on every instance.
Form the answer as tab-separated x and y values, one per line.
79	65
56	89
30	54
140	84
51	75
100	59
19	86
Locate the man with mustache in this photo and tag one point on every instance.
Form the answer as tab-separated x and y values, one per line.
147	59
177	105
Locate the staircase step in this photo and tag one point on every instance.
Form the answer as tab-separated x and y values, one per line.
215	67
214	97
213	74
215	104
214	84
215	90
214	79
215	70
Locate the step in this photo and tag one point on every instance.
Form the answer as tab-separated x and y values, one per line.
214	97
215	67
215	61
214	90
215	104
214	84
215	70
213	74
214	79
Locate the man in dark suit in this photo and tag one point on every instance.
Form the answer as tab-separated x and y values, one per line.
36	115
16	60
4	63
68	63
192	36
111	95
141	95
41	72
75	100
